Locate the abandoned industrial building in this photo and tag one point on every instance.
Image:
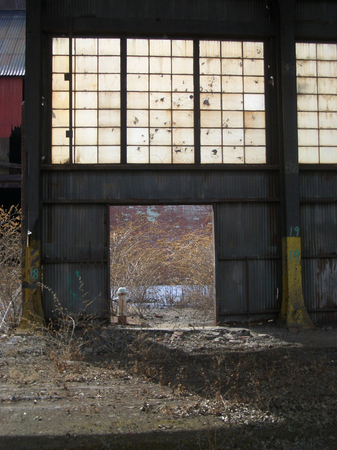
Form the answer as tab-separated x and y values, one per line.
228	103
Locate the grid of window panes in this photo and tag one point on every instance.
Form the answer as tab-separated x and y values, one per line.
160	101
232	102
95	100
317	102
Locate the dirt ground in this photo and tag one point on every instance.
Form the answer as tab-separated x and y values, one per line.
175	382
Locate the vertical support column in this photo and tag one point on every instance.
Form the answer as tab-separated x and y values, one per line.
293	311
31	276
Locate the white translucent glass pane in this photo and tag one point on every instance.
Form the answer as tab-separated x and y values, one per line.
181	100
327	51
183	136
109	154
210	101
86	46
86	100
307	102
182	83
109	47
254	84
160	83
231	66
232	119
109	100
183	155
232	136
60	46
231	49
137	47
85	136
255	136
307	119
137	155
109	136
210	136
306	68
160	100
160	155
328	155
308	138
160	65
137	64
137	118
328	138
86	118
138	136
109	64
210	83
210	66
160	136
59	83
255	155
60	64
306	85
327	102
210	119
85	64
327	86
60	100
232	102
254	102
160	47
109	82
60	118
182	65
210	155
209	48
233	155
85	82
137	82
183	119
308	155
109	118
160	118
305	51
253	50
59	155
86	155
59	136
255	119
253	66
182	48
232	84
137	100
327	68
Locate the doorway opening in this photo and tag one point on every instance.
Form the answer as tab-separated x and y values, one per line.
163	255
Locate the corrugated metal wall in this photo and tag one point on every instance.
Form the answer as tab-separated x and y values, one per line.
248	252
319	244
11	103
75	258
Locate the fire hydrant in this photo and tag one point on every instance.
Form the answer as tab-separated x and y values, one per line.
122	302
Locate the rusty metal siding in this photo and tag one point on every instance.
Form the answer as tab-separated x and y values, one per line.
12	43
11	104
75	248
248	251
115	186
308	10
242	10
317	185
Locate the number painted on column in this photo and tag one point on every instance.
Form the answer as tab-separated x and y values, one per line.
296	254
34	273
295	230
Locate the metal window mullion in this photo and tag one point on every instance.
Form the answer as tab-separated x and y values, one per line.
317	102
221	107
123	110
97	111
171	103
196	109
243	106
71	98
148	101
